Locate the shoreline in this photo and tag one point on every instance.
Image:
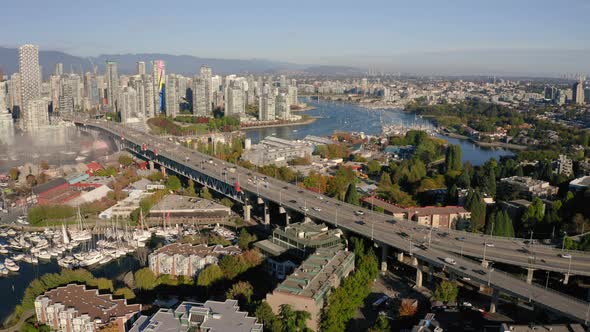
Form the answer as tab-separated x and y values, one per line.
300	123
485	144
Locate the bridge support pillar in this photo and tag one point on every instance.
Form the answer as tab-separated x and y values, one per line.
287	218
307	219
247	210
259	200
400	256
418	277
282	210
529	275
163	170
430	272
151	165
384	254
266	215
566	278
494	301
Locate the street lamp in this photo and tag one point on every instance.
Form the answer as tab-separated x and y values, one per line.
372	229
336	218
281	197
484	252
547	280
563	242
490	276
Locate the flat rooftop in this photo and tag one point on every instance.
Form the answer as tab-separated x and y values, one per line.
181	203
315	272
201	250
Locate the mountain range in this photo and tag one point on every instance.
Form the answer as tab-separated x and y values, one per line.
180	64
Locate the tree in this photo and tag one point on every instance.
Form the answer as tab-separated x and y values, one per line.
127	293
210	275
533	215
156	176
446	291
173	183
381	325
226	202
475	204
385	181
268	318
407	309
241	291
453	158
293	320
352	195
373	167
464	180
145	279
125	160
44	165
245	239
190	189
14	173
205	194
452	195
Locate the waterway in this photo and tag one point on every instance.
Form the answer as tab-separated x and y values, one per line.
337	116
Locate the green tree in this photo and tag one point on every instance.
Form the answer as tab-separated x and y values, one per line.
210	275
14	173
145	279
245	239
446	291
241	291
452	195
227	202
532	216
385	181
127	293
293	320
190	189
373	167
205	194
268	318
125	160
381	325
475	204
352	195
453	160
173	183
464	180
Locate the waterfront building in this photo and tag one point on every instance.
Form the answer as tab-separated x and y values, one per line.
266	106
128	105
112	80
30	84
578	92
235	100
140	67
74	308
292	95
6	125
37	115
310	284
158	86
188	260
282	109
178	209
211	316
292	243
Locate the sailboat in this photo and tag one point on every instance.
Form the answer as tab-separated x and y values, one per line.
140	235
81	234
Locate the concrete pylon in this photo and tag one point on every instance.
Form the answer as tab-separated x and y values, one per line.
529	275
414	261
163	170
307	219
384	254
266	215
247	210
494	301
259	200
282	210
287	218
418	277
400	256
151	165
566	278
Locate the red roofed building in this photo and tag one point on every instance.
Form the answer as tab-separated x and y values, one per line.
435	216
93	167
56	191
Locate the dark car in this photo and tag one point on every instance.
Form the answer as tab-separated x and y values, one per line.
360	222
285	187
300	191
481	272
292	201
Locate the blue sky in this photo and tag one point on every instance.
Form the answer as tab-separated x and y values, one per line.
316	32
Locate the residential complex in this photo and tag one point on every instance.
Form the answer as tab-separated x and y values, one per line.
178	209
211	316
278	151
73	308
309	285
178	259
527	187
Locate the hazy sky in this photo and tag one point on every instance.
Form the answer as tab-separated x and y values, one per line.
316	32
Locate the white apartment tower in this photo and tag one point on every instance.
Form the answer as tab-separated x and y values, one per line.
172	101
266	110
140	68
282	109
206	75
235	100
200	98
30	82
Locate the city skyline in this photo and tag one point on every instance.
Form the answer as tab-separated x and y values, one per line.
465	38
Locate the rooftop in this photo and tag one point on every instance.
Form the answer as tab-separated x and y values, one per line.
187	204
308	233
312	277
89	301
201	250
543	328
581	182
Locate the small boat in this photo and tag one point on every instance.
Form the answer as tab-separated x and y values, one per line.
44	254
10	265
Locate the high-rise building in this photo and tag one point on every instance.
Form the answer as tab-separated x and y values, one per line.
138	85
292	95
159	81
550	92
58	69
282	109
128	104
266	110
150	109
206	75
234	105
14	95
171	91
30	81
578	92
112	78
140	68
6	125
200	98
66	98
37	114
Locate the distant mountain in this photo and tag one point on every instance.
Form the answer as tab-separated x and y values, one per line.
179	64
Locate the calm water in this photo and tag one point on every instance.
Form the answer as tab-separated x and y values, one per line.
334	116
12	286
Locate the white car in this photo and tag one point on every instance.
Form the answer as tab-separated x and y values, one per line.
568	256
491	245
320	197
317	209
304	209
451	261
359	213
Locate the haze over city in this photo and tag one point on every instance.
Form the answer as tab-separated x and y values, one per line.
264	166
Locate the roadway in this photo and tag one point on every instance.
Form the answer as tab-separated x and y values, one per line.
384	230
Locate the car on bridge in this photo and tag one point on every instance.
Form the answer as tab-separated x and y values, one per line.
449	260
491	245
360	222
304	208
565	255
359	213
317	209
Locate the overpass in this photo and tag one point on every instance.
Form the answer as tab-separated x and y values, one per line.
434	245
